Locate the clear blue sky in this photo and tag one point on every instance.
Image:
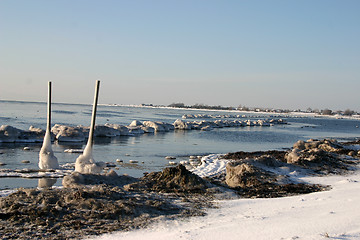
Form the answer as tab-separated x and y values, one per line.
282	54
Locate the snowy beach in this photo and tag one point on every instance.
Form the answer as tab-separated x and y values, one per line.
333	214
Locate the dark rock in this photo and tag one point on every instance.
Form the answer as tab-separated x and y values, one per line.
245	175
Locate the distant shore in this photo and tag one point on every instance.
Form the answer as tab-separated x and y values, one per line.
290	113
278	112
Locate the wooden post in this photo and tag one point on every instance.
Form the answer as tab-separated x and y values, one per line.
48	125
93	117
47	159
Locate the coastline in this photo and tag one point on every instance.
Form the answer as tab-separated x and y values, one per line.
92	205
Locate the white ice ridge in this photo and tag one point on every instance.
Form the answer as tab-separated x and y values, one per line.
211	165
35	173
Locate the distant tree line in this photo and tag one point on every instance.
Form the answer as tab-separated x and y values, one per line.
200	106
347	112
326	111
177	105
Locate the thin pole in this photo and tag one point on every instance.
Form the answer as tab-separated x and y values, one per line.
92	126
49	108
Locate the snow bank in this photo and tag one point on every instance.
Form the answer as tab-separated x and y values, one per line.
320	215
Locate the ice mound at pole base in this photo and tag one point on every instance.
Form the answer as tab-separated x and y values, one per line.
47	159
86	164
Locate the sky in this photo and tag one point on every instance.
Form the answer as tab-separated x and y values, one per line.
276	54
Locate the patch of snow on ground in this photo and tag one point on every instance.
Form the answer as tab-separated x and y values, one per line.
211	165
4	193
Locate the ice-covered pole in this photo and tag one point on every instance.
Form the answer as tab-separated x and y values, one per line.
93	116
48	124
47	159
85	162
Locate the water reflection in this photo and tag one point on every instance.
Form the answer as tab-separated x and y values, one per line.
46	182
121	140
102	140
66	145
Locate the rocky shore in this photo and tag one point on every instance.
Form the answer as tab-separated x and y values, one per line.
96	204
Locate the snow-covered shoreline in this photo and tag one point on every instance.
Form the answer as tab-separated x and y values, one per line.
330	214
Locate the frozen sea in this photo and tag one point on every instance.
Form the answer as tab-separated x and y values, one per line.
150	150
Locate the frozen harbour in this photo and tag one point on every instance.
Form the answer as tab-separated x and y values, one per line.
333	214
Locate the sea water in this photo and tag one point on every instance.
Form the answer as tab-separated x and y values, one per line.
150	150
